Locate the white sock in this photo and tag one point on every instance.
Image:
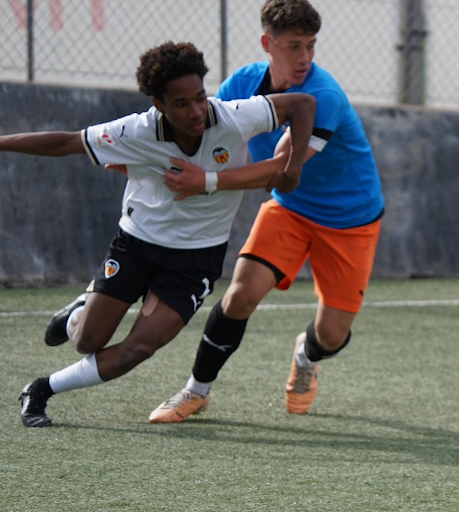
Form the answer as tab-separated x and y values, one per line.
300	356
202	388
72	320
82	374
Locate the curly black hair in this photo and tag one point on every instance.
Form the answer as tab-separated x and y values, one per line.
166	62
279	16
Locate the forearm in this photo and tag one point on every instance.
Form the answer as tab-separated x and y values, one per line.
43	143
298	109
256	175
301	125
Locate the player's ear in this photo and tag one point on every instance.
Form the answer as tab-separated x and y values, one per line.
158	105
265	42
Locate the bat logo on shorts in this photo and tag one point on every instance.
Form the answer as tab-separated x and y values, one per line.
111	268
197	303
221	155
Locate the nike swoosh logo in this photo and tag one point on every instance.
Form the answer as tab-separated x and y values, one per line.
223	348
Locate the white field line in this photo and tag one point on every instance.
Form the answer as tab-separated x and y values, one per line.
270	307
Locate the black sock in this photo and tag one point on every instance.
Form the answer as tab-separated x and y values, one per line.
42	386
314	350
222	336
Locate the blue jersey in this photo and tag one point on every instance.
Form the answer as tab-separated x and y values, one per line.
340	186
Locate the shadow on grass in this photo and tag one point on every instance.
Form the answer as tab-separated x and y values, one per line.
410	443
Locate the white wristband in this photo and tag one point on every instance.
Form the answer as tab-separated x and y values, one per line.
211	181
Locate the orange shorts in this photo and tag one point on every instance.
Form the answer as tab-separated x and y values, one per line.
341	259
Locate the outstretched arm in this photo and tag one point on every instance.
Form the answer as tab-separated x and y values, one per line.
43	143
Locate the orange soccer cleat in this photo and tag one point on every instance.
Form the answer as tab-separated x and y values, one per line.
301	387
179	407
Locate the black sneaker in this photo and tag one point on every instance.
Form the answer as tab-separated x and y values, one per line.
56	332
33	408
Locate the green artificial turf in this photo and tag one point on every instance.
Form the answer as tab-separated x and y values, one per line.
382	435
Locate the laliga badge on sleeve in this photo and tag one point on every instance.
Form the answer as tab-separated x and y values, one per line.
103	137
111	268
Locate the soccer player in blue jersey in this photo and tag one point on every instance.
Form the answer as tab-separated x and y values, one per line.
332	217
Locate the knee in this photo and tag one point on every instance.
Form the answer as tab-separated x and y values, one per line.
239	303
87	342
330	337
143	351
88	339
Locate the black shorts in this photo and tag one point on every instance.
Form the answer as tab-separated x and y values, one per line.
181	278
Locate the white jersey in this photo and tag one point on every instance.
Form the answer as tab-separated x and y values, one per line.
144	143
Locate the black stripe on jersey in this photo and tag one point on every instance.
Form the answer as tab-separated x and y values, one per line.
161	127
273	113
89	149
265	86
211	116
322	133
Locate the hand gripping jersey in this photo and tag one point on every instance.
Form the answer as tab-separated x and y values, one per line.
339	187
144	143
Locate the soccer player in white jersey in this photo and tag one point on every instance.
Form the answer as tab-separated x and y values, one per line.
167	252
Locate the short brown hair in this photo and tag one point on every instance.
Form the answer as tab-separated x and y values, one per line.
279	16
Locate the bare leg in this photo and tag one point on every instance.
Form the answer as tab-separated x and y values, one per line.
332	326
250	283
92	327
156	325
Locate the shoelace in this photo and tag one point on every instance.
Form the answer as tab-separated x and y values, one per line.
181	396
304	377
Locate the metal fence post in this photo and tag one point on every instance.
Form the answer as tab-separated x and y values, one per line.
223	40
30	41
412	52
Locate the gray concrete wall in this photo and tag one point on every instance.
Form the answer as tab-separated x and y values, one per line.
57	215
417	152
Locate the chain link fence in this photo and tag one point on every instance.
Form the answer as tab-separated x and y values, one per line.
381	51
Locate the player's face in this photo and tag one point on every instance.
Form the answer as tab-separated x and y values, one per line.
185	106
290	57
